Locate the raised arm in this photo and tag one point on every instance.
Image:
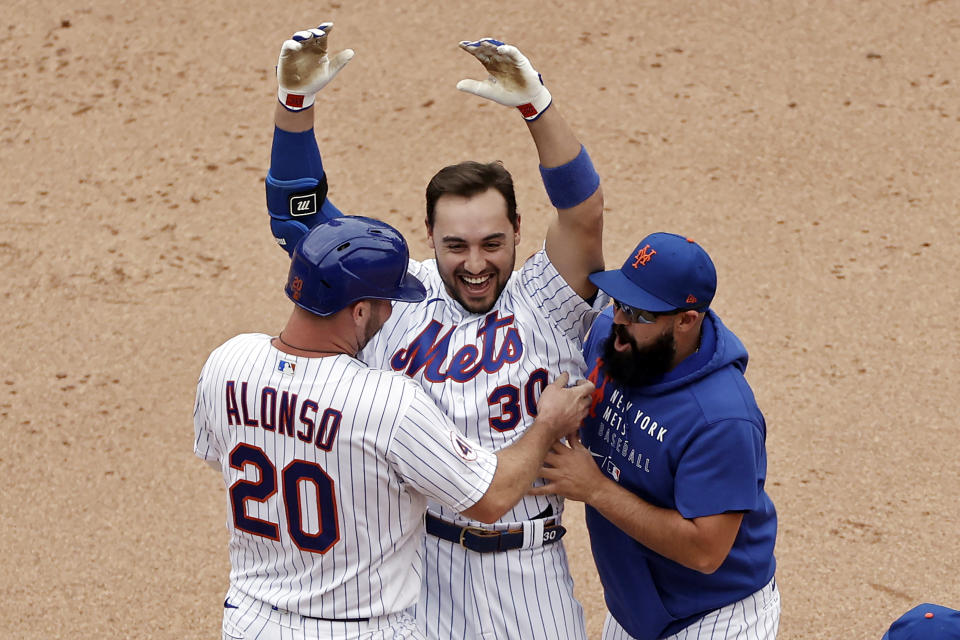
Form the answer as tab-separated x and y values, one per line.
575	238
296	183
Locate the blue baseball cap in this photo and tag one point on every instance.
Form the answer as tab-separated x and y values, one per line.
665	272
926	622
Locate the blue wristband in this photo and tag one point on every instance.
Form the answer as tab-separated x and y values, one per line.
570	184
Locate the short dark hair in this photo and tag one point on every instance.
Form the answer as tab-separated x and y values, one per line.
468	179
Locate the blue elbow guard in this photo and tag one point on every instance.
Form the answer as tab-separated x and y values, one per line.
295	207
570	184
297	198
288	231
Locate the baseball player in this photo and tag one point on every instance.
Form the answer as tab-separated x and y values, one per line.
486	339
329	464
672	462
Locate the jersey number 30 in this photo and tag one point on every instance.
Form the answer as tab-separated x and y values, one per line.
295	473
507	397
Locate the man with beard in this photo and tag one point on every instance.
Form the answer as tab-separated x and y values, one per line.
485	341
671	460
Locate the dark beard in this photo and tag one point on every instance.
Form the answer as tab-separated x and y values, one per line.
640	366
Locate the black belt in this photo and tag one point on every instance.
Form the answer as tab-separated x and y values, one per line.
331	619
227	605
486	540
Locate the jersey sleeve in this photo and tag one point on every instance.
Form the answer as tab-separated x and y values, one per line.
721	470
429	453
203	442
556	300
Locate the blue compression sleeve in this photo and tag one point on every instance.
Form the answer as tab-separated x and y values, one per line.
295	155
296	187
296	183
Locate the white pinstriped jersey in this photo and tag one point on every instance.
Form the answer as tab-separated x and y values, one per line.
486	371
328	466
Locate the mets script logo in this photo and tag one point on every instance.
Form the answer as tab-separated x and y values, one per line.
296	286
643	256
428	351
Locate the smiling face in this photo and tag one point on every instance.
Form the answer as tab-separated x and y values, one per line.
476	247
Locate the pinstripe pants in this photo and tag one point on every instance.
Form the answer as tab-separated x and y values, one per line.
523	594
756	617
250	619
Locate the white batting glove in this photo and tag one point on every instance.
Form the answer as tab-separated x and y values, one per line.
304	68
512	82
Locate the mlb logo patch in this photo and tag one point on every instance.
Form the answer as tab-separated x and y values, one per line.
303	205
463	448
286	367
613	470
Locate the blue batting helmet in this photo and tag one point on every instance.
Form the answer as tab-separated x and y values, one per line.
348	259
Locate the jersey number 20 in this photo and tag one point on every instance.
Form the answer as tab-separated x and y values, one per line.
265	487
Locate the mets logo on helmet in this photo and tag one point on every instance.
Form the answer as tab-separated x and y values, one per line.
643	256
297	287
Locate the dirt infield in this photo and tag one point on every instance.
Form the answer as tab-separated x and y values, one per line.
811	147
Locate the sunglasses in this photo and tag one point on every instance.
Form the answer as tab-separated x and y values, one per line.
641	316
638	316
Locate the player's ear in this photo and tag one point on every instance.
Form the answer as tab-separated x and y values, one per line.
361	309
426	223
359	312
516	232
688	321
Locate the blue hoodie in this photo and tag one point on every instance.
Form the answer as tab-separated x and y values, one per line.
693	441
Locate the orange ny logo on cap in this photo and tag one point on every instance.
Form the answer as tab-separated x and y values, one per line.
643	256
691	299
297	287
